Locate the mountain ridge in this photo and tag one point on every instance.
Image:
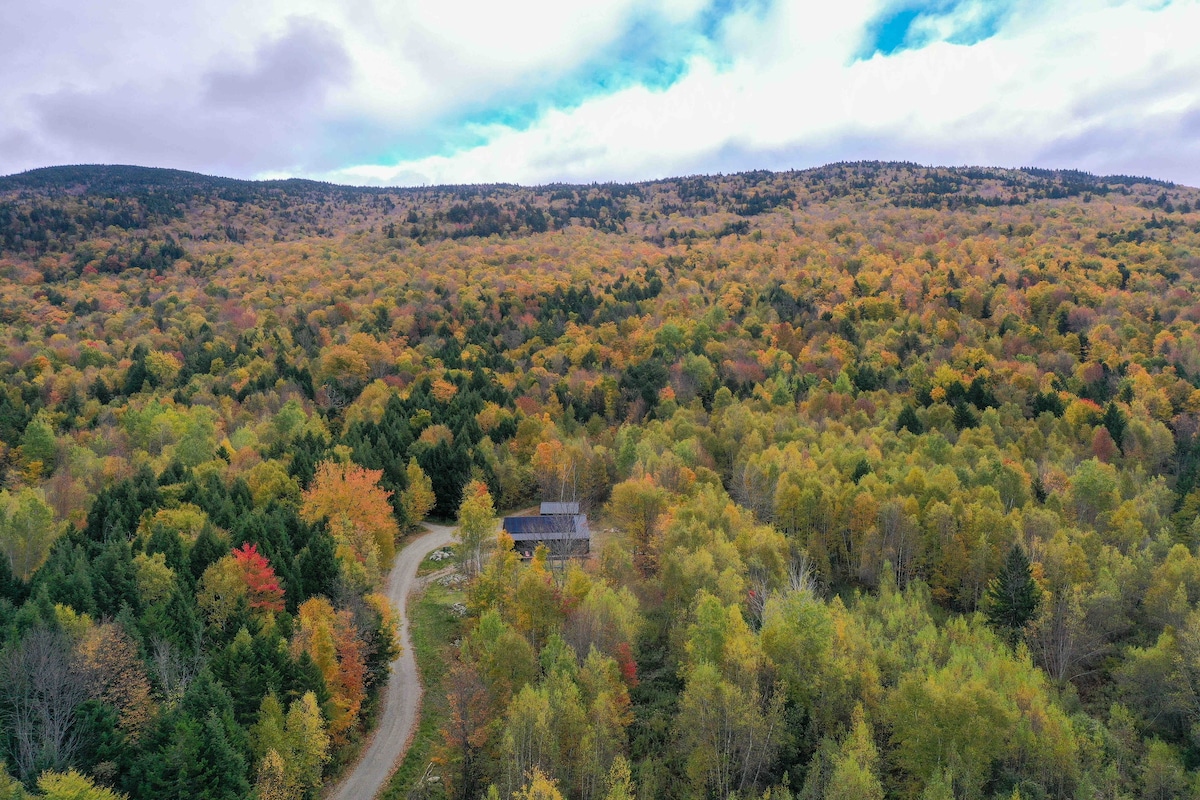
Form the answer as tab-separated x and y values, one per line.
134	175
56	209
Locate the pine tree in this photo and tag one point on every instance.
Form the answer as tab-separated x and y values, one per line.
964	417
1013	596
219	772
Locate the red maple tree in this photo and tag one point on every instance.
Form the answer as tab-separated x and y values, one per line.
260	578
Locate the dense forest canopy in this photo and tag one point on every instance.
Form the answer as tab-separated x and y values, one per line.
896	473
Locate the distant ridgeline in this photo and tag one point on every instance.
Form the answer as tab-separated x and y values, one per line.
57	209
877	480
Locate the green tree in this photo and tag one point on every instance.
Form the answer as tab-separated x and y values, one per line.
26	530
1013	596
620	781
504	658
908	420
1115	421
307	742
292	751
1093	488
797	636
10	787
267	733
728	736
38	447
219	772
635	507
1163	774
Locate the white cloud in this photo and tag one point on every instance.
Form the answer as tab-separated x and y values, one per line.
1111	86
407	66
1116	80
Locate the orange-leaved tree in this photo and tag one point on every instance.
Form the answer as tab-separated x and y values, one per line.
116	675
358	511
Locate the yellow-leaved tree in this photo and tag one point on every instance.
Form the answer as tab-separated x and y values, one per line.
418	499
292	750
331	639
476	525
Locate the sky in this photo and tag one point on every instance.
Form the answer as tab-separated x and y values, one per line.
420	92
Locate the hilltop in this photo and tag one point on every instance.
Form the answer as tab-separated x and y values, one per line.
57	209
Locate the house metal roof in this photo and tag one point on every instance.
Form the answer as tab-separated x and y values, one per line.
543	528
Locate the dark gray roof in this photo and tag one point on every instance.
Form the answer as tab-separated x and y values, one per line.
541	528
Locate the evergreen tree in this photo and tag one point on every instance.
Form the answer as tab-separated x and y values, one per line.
38	446
1114	420
317	564
196	751
908	419
206	550
137	373
1013	596
964	417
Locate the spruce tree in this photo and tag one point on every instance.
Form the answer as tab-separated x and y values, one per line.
1013	596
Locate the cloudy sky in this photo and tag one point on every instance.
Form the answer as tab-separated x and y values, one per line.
533	91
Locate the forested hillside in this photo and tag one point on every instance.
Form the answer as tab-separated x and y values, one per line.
896	472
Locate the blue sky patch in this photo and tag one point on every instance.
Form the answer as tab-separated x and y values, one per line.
891	32
910	26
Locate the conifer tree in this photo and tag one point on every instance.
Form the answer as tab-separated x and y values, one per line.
1114	420
1013	596
908	419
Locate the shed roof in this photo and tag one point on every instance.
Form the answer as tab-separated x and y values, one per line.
560	508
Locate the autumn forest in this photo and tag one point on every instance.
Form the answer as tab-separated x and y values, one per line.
893	475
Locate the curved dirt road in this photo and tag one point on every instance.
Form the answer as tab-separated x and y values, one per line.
402	698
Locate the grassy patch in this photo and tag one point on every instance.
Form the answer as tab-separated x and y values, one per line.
433	628
429	564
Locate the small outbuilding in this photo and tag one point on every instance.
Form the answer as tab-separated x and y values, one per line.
549	509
